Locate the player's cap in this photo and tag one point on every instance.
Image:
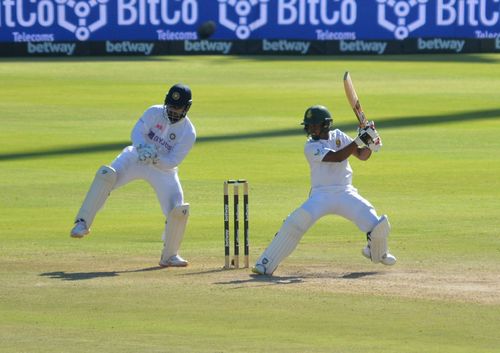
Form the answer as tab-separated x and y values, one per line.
317	114
179	95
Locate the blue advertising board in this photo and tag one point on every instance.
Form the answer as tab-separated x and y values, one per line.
313	20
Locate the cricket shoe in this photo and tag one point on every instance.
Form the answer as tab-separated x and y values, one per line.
174	261
80	229
387	259
259	269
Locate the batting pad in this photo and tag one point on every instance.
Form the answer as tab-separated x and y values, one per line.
102	185
174	231
289	235
378	239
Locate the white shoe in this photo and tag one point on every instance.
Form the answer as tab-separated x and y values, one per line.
387	259
174	261
259	269
80	229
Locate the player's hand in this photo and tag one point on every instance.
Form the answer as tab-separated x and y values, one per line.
364	137
376	145
147	153
368	133
371	134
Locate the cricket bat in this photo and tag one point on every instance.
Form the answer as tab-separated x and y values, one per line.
353	99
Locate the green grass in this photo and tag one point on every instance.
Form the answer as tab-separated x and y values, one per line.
436	177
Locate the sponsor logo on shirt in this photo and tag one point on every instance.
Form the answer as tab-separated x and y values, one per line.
160	140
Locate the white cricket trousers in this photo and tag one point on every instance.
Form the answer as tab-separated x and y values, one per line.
165	183
345	202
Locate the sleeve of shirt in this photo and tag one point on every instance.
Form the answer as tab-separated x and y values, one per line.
346	138
138	133
342	140
315	152
141	128
178	153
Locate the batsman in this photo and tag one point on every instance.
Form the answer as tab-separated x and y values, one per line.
161	139
327	152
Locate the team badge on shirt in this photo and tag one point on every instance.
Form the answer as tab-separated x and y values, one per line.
338	143
172	136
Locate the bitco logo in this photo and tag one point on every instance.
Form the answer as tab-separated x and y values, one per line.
245	16
241	11
83	17
400	13
79	17
82	10
405	16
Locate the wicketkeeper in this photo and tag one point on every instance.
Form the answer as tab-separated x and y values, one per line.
327	152
161	139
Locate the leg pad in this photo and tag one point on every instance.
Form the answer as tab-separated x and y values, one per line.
285	241
377	239
174	231
102	185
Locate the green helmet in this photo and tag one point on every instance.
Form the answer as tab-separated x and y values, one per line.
317	114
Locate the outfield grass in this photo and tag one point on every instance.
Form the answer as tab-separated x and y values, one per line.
437	177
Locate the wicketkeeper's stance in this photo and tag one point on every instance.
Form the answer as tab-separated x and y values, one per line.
331	191
161	139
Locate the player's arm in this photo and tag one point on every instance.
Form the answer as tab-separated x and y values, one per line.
357	148
138	135
146	151
341	155
141	128
362	153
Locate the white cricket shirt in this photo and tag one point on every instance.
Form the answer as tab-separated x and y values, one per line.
328	174
173	141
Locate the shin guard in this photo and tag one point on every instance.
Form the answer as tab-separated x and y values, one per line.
174	231
286	240
102	185
377	239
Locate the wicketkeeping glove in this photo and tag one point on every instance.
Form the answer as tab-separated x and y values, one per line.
147	153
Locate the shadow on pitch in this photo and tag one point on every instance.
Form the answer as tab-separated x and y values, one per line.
265	280
259	280
357	275
295	131
80	276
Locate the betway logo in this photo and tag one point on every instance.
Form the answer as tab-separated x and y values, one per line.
360	46
51	48
129	47
207	46
285	46
441	44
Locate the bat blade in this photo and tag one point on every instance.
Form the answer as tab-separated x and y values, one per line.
353	99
